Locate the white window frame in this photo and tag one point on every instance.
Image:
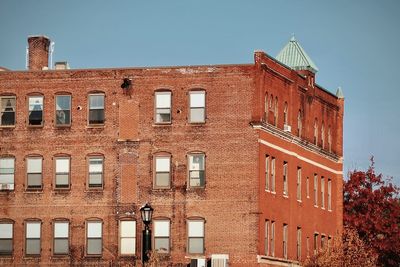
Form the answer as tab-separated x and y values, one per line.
272	244
32	170
4	112
285	240
33	231
162	232
160	107
193	107
160	170
196	171
92	185
315	190
322	192
127	237
6	173
61	232
194	234
329	194
59	111
298	243
7	236
62	172
92	235
299	183
267	173
273	171
285	179
90	108
308	187
267	237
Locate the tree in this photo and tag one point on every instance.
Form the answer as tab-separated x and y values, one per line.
371	205
347	250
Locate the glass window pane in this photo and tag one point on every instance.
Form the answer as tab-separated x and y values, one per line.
163	115
128	245
128	228
161	244
196	228
94	246
96	165
196	245
95	179
63	117
197	115
161	228
6	178
35	180
162	179
162	164
6	230
62	165
6	246
96	101
35	103
33	229
7	104
96	116
63	102
7	163
196	162
61	246
94	229
33	246
163	99
197	99
62	180
61	229
34	165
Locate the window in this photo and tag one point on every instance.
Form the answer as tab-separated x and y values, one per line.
32	238
323	135
94	238
34	173
272	247
329	194
266	107
308	246
161	236
322	192
127	235
285	114
315	243
315	190
7	173
285	178
63	110
96	109
276	112
163	107
273	174
298	183
285	241
61	238
299	123
35	108
267	238
322	241
308	187
267	172
196	170
298	243
316	132
196	236
6	238
163	172
62	172
197	106
96	172
271	105
7	110
329	139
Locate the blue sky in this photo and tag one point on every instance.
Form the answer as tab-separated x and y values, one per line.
355	45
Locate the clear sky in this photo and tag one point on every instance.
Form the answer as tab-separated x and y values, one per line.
355	44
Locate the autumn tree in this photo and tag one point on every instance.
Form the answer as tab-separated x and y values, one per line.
371	205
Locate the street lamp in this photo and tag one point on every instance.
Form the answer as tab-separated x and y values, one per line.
146	211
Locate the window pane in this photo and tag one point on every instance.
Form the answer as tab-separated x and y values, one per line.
35	180
197	115
33	229
35	103
197	99
94	229
162	164
196	162
35	110
34	165
196	228
63	117
96	101
96	165
161	244
33	246
196	178
94	246
162	179
61	229
128	228
163	99
61	246
128	245
7	163
95	179
63	102
161	228
62	180
6	178
7	109
196	245
62	165
6	230
163	115
6	246
96	116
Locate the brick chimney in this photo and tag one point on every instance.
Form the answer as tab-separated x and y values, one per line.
38	56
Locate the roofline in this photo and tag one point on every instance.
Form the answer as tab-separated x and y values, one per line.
326	90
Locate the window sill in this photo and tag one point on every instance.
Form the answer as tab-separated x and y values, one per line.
196	123
315	206
159	124
60	257
94	189
61	190
93	256
35	126
61	127
300	201
95	126
31	257
273	192
7	127
33	191
285	196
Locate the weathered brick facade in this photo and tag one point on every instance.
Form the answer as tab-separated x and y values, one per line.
235	139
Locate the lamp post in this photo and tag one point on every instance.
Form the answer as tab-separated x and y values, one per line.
146	212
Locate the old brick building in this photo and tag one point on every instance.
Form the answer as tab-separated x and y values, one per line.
241	163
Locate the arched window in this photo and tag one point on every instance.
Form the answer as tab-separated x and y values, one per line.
162	112
266	107
299	123
323	135
329	139
276	112
6	236
162	170
94	237
195	236
316	131
7	110
285	113
35	110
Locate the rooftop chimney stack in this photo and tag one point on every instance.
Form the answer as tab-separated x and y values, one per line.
38	56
